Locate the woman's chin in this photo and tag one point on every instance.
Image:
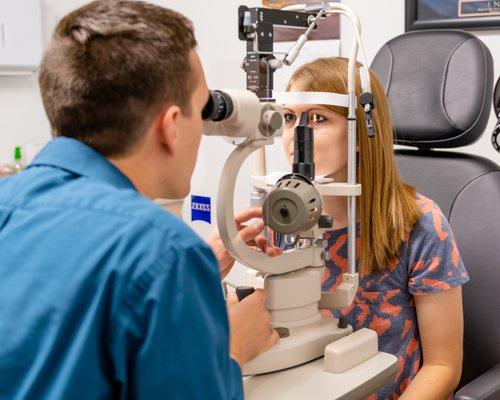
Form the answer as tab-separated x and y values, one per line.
325	174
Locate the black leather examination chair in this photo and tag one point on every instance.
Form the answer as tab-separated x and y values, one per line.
439	85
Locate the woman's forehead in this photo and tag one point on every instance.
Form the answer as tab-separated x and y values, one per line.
304	107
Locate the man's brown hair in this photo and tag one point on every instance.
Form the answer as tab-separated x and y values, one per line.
111	67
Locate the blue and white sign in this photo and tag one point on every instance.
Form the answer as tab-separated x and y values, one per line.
201	209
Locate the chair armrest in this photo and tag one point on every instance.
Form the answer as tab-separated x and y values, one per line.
486	387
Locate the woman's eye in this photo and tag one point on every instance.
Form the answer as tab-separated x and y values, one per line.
289	118
317	119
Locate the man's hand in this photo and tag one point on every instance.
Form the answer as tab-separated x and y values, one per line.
250	327
251	235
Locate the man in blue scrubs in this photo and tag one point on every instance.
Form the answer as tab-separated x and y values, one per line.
102	294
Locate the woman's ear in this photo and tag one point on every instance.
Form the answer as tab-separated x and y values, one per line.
168	129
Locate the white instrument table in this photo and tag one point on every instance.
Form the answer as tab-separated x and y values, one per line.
310	381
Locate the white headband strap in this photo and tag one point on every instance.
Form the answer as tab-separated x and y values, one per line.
322	98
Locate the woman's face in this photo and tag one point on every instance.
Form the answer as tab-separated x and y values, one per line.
330	138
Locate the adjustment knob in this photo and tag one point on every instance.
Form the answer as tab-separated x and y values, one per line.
495	138
284	212
325	222
244	291
271	122
293	205
342	322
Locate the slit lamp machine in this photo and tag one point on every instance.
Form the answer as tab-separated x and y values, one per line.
316	356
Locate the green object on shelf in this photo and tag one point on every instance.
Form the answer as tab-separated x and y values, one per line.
18	164
18	154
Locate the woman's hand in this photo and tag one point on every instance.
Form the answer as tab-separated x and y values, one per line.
250	234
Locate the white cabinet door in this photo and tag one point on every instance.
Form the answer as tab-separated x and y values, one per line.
20	36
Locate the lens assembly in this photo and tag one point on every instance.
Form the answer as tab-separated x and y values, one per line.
219	106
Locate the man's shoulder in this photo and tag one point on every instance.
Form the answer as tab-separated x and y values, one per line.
103	231
128	207
118	211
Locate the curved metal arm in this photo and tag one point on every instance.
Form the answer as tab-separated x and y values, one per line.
338	8
291	260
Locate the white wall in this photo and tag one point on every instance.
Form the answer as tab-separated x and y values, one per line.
21	114
22	118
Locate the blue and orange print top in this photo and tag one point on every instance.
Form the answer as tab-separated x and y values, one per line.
428	263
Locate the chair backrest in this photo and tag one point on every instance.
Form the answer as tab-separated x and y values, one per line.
439	84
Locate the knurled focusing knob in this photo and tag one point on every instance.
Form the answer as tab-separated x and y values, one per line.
325	222
293	205
495	138
284	212
271	121
342	322
244	291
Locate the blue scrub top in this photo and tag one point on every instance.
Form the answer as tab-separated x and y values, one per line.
103	294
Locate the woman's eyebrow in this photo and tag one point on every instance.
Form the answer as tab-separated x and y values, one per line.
309	110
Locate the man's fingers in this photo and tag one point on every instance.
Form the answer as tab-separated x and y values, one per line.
262	243
272	251
274	337
252	231
252	242
231	299
248	214
259	296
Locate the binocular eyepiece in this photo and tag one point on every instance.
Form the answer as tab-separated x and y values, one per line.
240	113
219	106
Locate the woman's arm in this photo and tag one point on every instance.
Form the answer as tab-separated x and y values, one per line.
440	322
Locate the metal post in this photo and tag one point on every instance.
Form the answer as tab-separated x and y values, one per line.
351	180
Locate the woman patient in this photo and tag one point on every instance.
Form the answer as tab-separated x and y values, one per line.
410	268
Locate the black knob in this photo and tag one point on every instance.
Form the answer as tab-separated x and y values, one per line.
325	222
342	322
244	291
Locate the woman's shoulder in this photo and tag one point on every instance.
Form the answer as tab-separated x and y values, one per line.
433	260
427	205
432	221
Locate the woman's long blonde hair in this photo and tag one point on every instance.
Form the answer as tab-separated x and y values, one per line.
387	208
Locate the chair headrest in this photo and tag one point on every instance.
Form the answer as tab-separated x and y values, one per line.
496	98
439	84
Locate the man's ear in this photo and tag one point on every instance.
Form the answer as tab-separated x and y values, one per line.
168	128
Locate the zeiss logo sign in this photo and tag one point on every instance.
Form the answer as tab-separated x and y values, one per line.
201	209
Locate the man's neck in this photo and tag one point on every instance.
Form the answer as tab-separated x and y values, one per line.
134	168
